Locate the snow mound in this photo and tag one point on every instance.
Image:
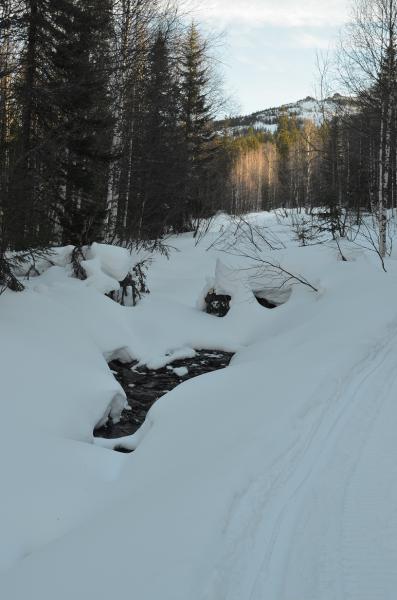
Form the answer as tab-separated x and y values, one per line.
114	260
97	278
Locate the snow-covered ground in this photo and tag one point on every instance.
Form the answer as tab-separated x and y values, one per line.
274	479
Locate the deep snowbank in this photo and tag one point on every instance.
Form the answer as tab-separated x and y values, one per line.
55	386
274	478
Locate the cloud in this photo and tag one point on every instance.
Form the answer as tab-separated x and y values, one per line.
304	39
281	13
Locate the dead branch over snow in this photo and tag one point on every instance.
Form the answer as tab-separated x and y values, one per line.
249	241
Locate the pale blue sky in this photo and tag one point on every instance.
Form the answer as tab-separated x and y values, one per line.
270	45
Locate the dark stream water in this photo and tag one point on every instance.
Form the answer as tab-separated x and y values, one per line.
144	386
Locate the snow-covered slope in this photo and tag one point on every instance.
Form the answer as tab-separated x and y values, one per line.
274	478
306	109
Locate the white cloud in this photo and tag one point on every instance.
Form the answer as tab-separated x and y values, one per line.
284	13
308	40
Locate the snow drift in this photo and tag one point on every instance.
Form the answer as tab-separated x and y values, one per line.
274	478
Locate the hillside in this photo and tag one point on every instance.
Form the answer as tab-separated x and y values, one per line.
307	108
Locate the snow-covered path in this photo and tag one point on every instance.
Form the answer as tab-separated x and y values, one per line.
342	528
328	519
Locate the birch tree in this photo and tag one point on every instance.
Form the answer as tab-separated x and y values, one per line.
368	68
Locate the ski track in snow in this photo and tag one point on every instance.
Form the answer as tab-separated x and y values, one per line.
308	513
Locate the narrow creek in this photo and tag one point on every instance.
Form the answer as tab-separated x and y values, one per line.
144	386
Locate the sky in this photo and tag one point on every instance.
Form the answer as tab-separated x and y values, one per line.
269	46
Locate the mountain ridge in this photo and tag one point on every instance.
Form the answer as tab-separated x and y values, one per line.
305	109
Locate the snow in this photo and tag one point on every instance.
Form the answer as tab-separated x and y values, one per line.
273	478
270	127
106	266
97	278
114	260
181	371
55	387
308	109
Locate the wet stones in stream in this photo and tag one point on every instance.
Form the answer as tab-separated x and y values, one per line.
144	386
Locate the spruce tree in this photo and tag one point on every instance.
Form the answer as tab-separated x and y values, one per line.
83	100
24	194
196	120
160	160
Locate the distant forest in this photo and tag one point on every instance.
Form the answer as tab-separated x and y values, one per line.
109	130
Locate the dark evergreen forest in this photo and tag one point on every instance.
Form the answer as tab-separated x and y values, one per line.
110	130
